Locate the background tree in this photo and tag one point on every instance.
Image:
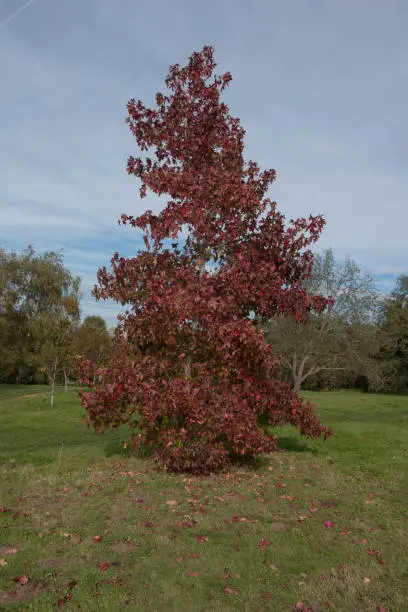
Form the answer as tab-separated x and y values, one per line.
340	338
39	305
394	350
190	369
93	340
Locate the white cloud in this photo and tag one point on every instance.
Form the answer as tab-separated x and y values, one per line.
321	91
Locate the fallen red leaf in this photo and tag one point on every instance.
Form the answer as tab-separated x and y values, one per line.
372	552
23	579
328	524
4	509
71	584
192	574
104	566
148	524
186	524
263	543
180	559
97	538
202	538
229	591
303	607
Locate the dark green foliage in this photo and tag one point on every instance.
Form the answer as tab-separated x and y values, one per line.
39	305
394	350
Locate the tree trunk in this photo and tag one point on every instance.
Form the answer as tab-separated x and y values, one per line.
297	372
297	383
53	382
19	375
65	381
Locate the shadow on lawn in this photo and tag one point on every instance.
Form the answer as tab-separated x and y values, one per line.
289	443
114	447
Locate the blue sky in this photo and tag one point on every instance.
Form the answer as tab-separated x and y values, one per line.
320	87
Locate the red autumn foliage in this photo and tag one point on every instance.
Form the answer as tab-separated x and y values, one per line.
191	373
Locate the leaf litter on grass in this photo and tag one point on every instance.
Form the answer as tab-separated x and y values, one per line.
246	508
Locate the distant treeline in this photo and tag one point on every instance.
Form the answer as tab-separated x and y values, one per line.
361	341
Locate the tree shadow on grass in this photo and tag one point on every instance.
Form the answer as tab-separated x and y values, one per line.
288	443
114	448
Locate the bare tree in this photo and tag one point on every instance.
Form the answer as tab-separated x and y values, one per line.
335	339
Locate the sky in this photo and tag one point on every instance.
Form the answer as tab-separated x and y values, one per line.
320	87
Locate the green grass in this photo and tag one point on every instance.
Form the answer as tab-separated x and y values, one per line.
187	544
8	392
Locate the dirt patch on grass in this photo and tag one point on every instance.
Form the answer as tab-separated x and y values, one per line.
20	397
327	503
10	549
125	547
55	561
21	593
280	527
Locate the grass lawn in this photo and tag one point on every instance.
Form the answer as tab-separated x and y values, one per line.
85	527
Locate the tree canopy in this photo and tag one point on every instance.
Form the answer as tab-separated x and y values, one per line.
191	373
39	303
340	337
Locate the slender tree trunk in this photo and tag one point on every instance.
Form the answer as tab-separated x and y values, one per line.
65	381
53	382
19	375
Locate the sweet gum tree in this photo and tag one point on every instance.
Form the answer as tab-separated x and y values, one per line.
191	374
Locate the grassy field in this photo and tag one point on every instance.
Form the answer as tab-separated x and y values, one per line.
318	526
